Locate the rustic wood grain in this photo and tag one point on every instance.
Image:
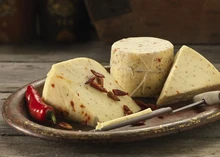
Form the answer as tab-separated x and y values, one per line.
5	129
40	52
14	75
97	50
170	146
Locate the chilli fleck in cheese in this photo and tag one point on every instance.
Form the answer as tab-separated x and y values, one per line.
191	74
71	87
141	64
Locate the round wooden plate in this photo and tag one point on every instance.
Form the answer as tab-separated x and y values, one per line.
15	114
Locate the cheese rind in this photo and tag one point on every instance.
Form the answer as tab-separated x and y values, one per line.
66	91
141	64
191	74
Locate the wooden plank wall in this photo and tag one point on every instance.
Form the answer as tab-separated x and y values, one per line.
179	21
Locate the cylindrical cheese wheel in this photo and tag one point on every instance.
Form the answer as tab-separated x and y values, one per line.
141	64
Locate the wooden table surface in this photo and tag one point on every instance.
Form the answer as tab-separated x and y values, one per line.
22	64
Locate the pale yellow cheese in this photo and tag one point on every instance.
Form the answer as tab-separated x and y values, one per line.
121	119
191	74
66	91
141	64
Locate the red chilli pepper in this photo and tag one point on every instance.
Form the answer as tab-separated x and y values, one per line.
39	110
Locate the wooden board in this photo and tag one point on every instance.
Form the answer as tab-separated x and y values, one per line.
173	146
43	52
182	21
98	50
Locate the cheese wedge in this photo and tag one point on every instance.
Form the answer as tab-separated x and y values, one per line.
141	64
66	91
190	75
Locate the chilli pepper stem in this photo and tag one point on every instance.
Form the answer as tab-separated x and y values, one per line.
51	116
39	110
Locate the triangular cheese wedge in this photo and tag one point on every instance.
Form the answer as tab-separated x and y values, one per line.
190	74
67	91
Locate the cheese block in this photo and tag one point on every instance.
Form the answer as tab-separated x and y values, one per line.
191	74
67	91
141	64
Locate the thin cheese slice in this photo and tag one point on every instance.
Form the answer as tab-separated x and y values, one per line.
121	119
66	91
141	64
190	74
